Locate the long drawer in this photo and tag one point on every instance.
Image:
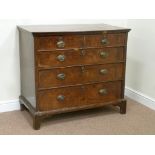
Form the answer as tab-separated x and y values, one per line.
80	75
78	57
76	96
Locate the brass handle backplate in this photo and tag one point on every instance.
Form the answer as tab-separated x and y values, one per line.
104	54
61	76
103	91
104	41
61	57
60	97
61	44
103	71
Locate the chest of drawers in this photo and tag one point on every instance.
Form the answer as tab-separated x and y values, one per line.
71	67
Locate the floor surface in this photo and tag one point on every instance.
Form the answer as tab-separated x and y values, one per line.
139	120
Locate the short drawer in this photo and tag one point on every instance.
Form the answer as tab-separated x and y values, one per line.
77	96
80	75
58	42
116	39
77	57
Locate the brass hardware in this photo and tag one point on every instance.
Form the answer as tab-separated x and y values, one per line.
83	53
76	49
103	54
104	33
82	69
61	57
61	76
60	44
82	87
103	71
103	91
60	98
104	41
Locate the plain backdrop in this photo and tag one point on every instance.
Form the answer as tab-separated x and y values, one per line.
13	12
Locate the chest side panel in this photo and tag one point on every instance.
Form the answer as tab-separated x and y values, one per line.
27	67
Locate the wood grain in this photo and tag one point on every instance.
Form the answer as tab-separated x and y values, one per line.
80	75
78	95
50	42
79	57
112	40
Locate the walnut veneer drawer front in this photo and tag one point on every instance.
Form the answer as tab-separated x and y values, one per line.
79	41
67	68
59	42
79	95
80	75
78	57
105	40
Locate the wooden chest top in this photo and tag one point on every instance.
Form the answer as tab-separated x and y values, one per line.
72	28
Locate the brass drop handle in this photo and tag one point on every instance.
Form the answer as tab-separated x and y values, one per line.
103	71
104	41
60	97
61	57
104	54
103	91
61	76
61	44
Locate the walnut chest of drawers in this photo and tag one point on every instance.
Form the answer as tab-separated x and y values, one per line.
71	67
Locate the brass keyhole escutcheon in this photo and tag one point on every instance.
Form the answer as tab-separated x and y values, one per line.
83	52
60	43
82	69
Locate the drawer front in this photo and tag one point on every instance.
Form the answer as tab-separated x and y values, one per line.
79	96
72	57
59	42
80	75
116	39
